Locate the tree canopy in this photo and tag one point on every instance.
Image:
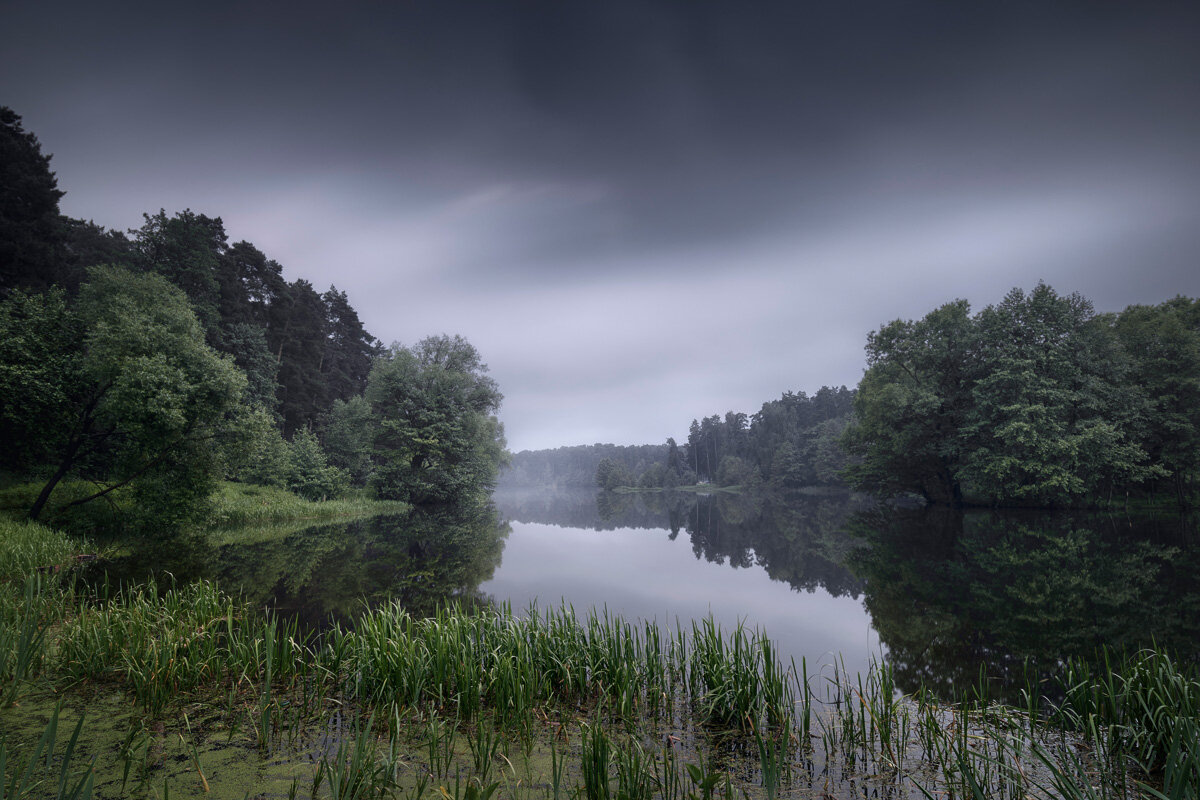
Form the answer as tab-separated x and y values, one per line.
132	395
1036	400
436	434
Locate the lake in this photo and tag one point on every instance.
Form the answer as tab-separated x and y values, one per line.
832	579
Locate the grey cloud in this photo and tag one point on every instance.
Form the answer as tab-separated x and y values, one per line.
642	212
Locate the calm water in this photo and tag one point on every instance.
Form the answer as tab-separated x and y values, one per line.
938	594
675	560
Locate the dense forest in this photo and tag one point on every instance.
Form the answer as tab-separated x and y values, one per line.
790	443
1037	400
143	367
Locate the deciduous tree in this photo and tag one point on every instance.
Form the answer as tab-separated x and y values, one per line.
437	437
143	401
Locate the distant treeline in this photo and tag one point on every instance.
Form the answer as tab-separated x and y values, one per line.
576	466
790	443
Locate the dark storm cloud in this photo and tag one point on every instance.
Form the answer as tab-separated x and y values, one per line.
642	212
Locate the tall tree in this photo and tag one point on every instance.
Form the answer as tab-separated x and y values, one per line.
145	403
349	349
40	346
1163	344
297	339
86	244
187	249
437	436
248	284
910	406
1051	416
30	234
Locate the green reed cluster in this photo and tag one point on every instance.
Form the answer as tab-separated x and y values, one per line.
461	705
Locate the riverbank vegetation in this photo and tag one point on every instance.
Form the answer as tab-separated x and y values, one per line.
1036	400
199	696
138	372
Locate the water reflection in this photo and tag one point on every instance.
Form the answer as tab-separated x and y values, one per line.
328	572
798	539
949	592
937	593
768	563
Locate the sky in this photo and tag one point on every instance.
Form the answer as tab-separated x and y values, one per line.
640	213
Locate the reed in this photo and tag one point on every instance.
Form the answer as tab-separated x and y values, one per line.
635	773
35	775
22	642
28	548
484	744
357	770
595	761
475	680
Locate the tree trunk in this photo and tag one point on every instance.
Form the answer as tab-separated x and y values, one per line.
63	468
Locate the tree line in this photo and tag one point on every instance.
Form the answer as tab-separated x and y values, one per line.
1037	400
157	361
576	465
789	443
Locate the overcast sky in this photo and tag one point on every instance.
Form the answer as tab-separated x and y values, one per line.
640	212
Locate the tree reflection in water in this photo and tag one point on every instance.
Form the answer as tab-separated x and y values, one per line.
949	592
330	572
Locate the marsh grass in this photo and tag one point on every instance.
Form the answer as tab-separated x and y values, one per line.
238	504
30	549
453	691
38	774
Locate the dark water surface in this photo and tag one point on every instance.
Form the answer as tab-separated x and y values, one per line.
829	578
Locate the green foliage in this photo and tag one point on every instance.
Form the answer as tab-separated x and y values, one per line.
436	435
1163	343
787	443
349	349
1050	417
735	471
186	249
234	504
296	334
247	344
39	357
26	547
910	404
30	238
259	454
347	435
612	474
307	472
1034	401
140	401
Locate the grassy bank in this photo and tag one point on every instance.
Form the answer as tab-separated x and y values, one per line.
235	504
185	693
231	505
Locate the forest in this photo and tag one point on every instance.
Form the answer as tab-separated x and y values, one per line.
140	369
1036	401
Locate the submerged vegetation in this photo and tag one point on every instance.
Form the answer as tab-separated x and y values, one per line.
548	703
